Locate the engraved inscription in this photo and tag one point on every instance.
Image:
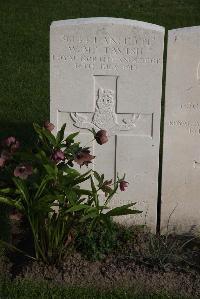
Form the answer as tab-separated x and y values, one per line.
191	126
190	106
104	51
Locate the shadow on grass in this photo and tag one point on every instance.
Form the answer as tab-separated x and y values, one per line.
23	131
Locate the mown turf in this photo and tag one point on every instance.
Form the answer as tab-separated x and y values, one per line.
24	47
23	289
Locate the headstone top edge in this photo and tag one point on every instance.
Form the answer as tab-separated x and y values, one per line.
108	20
183	30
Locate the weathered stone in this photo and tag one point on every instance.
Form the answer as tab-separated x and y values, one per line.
181	155
107	74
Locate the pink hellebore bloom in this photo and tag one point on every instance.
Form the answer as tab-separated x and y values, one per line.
49	126
84	157
2	162
16	216
23	171
4	157
123	185
10	140
12	143
106	187
101	137
58	156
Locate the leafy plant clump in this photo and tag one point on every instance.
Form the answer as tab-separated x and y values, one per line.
42	185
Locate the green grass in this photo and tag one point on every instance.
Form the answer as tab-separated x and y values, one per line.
31	290
24	47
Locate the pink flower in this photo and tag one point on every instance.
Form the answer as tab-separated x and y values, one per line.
106	187
10	140
58	156
23	171
49	126
101	137
4	157
84	157
14	147
2	162
15	215
123	185
12	143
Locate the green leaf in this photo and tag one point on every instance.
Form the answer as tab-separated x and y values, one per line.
42	157
60	134
21	185
42	186
71	196
107	221
111	194
7	190
123	210
82	178
11	203
92	215
72	172
97	176
77	208
82	191
49	136
12	247
43	133
50	198
51	169
71	137
94	190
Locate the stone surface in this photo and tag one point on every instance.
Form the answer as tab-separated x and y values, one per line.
107	74
181	155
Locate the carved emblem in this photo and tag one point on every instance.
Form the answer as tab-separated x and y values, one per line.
105	116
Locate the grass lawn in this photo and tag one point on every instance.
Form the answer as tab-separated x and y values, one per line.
31	290
24	47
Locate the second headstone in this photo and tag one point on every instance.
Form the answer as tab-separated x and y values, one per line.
181	152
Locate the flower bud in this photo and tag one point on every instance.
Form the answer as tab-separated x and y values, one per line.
58	156
123	185
101	137
49	126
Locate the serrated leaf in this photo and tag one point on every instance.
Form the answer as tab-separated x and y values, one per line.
71	137
82	191
94	190
60	134
122	210
82	178
77	208
72	171
97	176
49	136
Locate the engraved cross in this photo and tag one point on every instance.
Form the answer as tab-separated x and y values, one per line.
106	117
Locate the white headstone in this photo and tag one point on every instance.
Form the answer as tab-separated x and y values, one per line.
181	154
107	74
